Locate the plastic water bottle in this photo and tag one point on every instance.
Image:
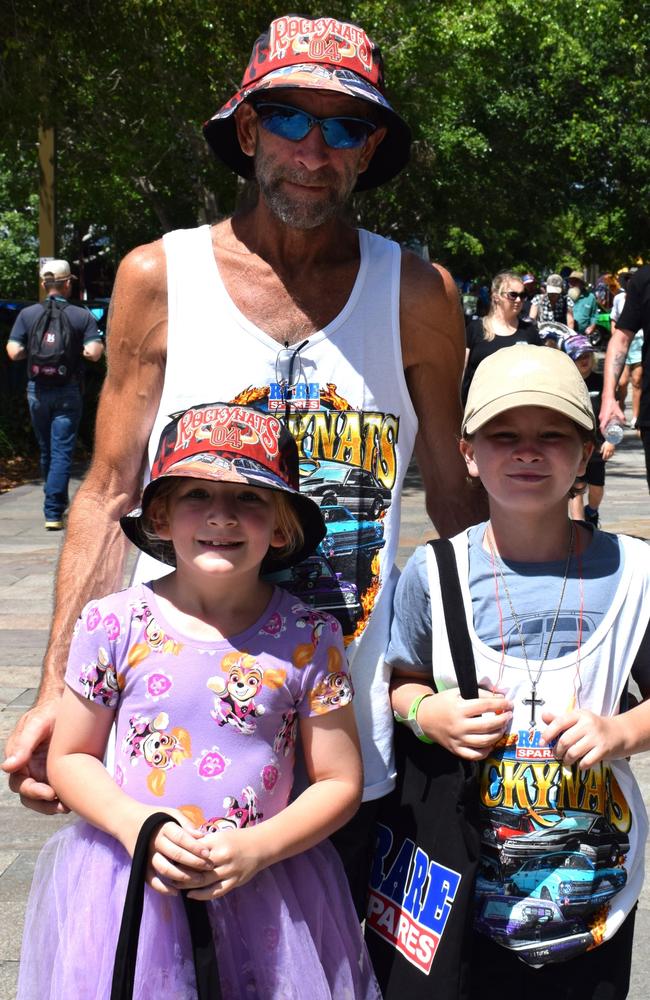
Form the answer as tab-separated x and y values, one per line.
613	433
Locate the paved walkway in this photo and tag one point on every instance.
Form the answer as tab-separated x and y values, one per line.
28	559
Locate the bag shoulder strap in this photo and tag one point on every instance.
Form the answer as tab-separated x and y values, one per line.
205	964
460	643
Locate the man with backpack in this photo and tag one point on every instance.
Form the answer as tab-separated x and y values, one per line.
54	337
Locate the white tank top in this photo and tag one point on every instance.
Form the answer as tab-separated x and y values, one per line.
524	777
355	426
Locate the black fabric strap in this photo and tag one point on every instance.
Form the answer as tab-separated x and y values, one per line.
460	643
205	962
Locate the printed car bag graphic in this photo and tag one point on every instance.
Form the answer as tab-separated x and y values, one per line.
554	841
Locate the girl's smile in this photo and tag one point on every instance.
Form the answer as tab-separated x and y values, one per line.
220	527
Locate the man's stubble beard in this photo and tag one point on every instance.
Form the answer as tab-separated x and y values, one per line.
289	207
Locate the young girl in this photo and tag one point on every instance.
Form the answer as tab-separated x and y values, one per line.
557	614
209	673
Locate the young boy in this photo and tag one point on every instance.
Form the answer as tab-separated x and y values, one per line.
557	614
580	350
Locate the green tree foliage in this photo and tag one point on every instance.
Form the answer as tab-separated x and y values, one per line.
530	122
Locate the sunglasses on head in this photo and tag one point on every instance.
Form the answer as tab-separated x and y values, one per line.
339	132
513	296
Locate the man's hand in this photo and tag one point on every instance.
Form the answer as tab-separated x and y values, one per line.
467	728
26	757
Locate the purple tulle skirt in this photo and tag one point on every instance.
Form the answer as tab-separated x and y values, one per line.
290	933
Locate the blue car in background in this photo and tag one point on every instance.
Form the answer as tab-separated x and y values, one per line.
567	878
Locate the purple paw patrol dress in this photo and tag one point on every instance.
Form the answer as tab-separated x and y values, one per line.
209	728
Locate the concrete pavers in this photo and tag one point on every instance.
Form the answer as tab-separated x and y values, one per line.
28	556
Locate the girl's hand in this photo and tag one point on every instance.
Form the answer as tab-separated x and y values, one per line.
582	737
234	856
177	855
467	728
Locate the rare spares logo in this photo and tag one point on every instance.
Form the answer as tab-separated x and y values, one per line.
410	905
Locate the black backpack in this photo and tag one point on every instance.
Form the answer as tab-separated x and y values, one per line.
53	346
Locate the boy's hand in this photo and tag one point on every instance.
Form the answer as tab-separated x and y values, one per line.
234	856
583	738
468	728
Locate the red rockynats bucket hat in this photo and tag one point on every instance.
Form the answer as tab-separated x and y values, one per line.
320	54
229	444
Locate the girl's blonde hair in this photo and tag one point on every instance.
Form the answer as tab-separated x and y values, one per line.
286	520
499	280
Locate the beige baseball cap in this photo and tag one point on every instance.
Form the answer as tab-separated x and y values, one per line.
57	270
524	375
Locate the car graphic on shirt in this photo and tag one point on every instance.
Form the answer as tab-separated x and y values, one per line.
536	929
357	489
316	583
346	535
589	833
537	629
569	879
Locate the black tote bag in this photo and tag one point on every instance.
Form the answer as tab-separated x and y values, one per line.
205	961
420	908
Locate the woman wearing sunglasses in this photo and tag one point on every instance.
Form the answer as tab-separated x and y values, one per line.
502	327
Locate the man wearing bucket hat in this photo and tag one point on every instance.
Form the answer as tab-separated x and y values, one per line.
582	307
288	307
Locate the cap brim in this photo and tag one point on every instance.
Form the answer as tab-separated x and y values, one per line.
390	157
528	397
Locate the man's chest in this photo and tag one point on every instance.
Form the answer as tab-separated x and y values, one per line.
288	307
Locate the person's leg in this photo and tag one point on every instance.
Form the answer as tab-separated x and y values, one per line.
595	476
39	412
601	974
66	414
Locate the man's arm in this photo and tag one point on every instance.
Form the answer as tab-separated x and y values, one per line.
15	350
92	560
433	352
615	356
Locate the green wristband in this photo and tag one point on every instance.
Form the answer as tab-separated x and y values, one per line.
411	719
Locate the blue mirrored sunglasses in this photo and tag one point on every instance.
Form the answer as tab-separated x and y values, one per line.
340	132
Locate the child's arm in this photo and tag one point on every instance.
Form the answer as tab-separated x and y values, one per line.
331	751
468	728
585	738
78	776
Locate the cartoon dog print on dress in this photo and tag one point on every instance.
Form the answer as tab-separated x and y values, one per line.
147	740
333	690
317	624
238	814
156	641
100	680
234	704
285	738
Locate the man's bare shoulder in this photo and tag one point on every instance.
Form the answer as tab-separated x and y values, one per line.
429	307
144	267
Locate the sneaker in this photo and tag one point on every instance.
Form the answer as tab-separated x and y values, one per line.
632	422
54	525
592	518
